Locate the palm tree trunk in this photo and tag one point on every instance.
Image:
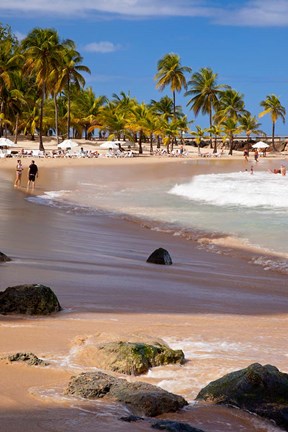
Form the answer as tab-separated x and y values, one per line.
151	143
56	117
41	146
140	143
68	109
230	145
273	136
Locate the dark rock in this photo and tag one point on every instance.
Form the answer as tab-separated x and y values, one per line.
28	358
259	389
173	426
160	256
133	358
29	299
131	419
141	398
4	258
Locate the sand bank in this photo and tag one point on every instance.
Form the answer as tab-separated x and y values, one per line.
224	312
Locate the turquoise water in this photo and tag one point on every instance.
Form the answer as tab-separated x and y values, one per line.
247	210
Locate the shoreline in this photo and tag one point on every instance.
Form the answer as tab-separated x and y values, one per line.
224	312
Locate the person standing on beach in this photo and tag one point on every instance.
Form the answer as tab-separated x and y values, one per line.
32	173
256	155
19	169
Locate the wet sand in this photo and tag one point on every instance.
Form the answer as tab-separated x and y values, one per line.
234	312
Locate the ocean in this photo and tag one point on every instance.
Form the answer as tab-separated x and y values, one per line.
233	209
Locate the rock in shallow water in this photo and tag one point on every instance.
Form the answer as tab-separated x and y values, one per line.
259	389
160	256
34	299
135	358
28	358
141	398
4	258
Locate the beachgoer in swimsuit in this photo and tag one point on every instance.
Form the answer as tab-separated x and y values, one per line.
32	173
19	169
283	170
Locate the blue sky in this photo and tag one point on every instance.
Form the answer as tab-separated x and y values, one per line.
121	41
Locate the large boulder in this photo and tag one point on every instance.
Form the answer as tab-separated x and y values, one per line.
134	358
160	256
4	258
259	389
32	299
141	398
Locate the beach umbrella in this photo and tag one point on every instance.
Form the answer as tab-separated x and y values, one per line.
260	145
110	145
68	143
5	142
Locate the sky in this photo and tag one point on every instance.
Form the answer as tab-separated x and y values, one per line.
121	41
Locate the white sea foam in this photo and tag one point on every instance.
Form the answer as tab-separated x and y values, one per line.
237	189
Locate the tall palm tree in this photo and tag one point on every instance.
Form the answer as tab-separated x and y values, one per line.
272	106
70	77
42	52
171	73
205	93
9	64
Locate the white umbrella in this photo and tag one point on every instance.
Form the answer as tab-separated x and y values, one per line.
68	143
260	144
5	142
110	145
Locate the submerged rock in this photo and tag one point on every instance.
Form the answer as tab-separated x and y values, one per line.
134	358
31	299
259	389
28	358
160	256
141	398
174	426
4	258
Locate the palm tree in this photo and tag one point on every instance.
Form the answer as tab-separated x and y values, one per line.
9	64
231	127
205	93
70	77
171	73
250	125
42	52
215	130
231	105
273	107
199	135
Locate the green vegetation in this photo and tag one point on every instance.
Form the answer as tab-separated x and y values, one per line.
42	90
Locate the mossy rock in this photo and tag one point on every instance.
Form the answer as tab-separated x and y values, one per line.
134	358
259	389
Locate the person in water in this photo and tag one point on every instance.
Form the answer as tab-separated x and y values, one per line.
32	173
19	169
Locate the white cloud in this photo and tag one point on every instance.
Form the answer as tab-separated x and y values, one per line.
100	8
256	13
102	47
222	12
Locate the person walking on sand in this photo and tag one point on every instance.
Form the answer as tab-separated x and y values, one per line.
256	155
32	173
19	169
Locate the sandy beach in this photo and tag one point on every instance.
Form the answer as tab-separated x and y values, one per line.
232	312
